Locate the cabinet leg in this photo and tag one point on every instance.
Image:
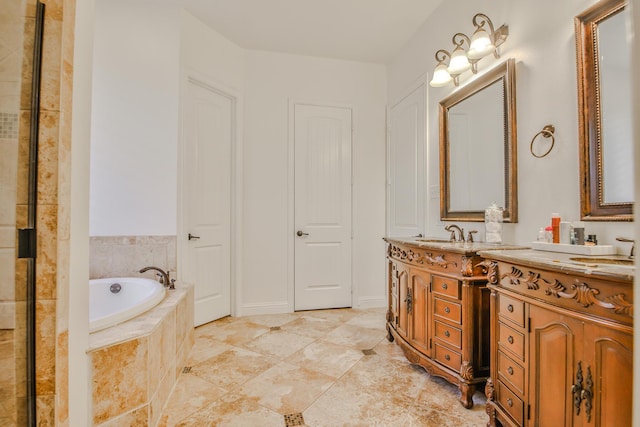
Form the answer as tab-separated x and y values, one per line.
389	335
466	394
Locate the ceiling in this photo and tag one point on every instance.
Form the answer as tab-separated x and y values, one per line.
359	30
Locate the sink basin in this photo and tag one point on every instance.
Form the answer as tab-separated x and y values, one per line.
432	240
608	261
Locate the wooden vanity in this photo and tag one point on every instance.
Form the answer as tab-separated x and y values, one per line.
439	309
561	341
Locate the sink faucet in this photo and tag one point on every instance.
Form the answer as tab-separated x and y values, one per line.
633	246
164	276
452	228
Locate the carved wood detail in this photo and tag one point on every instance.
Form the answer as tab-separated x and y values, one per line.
412	256
466	370
489	407
467	266
490	269
581	292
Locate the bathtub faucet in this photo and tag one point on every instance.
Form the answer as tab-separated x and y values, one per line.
164	276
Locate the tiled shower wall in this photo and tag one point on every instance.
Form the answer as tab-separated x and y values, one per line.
124	256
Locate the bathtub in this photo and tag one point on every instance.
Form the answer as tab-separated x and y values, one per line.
114	300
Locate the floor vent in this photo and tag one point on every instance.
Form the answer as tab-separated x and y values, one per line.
291	420
186	369
369	352
275	328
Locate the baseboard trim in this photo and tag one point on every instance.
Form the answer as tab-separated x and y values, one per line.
265	308
371	302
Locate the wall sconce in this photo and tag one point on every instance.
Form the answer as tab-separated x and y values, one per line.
481	44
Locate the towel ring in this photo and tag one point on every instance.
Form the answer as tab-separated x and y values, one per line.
547	132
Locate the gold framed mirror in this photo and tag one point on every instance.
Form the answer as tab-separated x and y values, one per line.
604	112
478	163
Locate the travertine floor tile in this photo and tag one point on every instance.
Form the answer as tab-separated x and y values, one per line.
189	395
374	319
339	315
206	348
271	320
232	367
279	344
355	336
239	332
310	326
287	388
327	358
234	410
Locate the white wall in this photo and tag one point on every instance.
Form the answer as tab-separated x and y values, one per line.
541	39
142	56
134	118
272	79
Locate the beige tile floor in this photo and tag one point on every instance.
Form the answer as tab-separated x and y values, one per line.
308	369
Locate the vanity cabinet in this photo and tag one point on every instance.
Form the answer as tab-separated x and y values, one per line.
439	312
563	346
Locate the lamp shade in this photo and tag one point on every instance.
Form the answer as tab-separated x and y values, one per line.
459	62
441	76
481	45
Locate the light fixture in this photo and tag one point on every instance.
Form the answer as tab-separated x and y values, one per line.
481	44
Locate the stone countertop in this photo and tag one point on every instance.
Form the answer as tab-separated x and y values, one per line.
446	245
588	266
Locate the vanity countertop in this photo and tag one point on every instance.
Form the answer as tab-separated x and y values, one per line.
588	266
446	245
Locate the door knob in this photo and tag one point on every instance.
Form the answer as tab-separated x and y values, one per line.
192	237
301	233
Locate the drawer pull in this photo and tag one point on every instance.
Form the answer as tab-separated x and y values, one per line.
447	310
510	339
510	370
510	402
444	286
447	357
447	334
510	308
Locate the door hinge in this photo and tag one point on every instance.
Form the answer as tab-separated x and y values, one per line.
26	243
430	343
528	412
529	325
430	285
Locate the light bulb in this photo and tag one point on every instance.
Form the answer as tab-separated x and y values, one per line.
441	76
481	45
459	62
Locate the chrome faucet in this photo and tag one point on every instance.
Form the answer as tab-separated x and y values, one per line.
633	246
452	228
164	276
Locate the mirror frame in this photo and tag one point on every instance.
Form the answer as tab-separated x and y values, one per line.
592	205
505	72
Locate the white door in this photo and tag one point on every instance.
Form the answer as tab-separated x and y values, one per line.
208	121
406	165
322	145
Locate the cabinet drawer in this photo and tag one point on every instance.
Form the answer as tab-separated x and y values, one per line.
448	357
512	309
511	373
510	402
511	340
448	310
444	286
448	334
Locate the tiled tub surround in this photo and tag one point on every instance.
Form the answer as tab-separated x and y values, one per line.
135	364
124	256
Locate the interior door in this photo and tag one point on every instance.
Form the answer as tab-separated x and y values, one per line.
322	145
208	119
405	172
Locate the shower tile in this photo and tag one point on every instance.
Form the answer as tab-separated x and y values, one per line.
327	358
46	345
7	274
278	344
22	177
62	377
286	388
49	133
45	410
189	395
120	380
46	252
51	57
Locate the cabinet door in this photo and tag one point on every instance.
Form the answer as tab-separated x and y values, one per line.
404	303
418	333
554	343
609	363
